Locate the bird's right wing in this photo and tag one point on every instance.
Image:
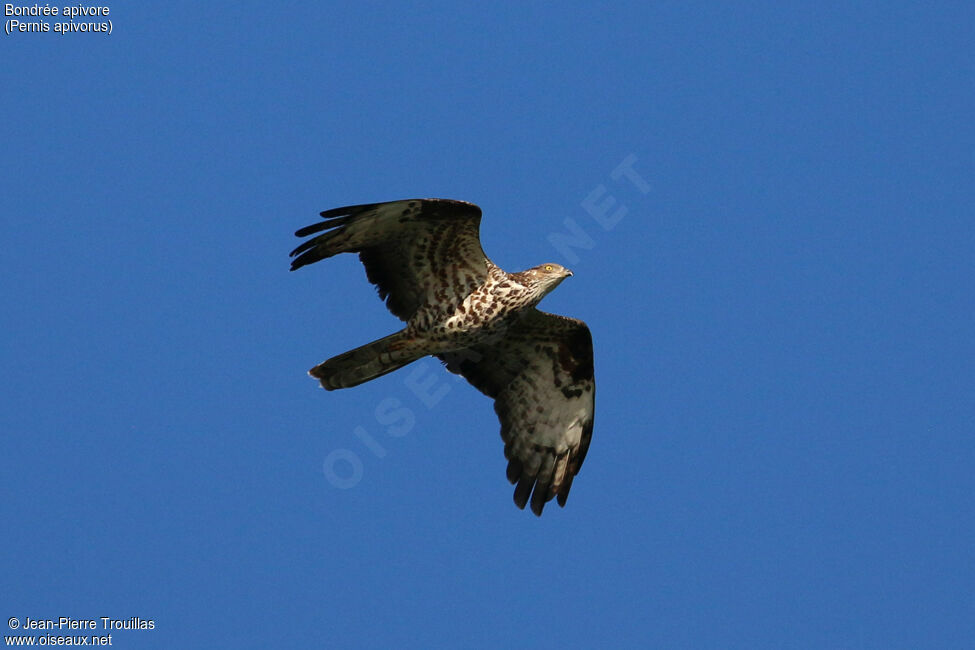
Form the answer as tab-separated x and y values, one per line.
417	251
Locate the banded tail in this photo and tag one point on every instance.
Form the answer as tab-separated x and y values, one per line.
366	362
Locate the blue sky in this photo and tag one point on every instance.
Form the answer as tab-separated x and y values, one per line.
783	451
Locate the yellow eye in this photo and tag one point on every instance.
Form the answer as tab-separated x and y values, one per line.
548	267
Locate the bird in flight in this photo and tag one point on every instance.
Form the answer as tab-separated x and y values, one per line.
425	258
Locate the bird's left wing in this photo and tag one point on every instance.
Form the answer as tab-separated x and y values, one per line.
540	373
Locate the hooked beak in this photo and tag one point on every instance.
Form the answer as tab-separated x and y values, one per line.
568	273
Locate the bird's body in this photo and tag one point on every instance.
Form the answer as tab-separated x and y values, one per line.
425	257
469	322
484	313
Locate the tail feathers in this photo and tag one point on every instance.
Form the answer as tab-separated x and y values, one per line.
366	362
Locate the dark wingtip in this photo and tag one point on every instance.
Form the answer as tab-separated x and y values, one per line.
331	221
523	491
309	230
347	210
540	497
305	246
306	257
564	490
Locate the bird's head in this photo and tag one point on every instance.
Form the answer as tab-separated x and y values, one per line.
546	277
